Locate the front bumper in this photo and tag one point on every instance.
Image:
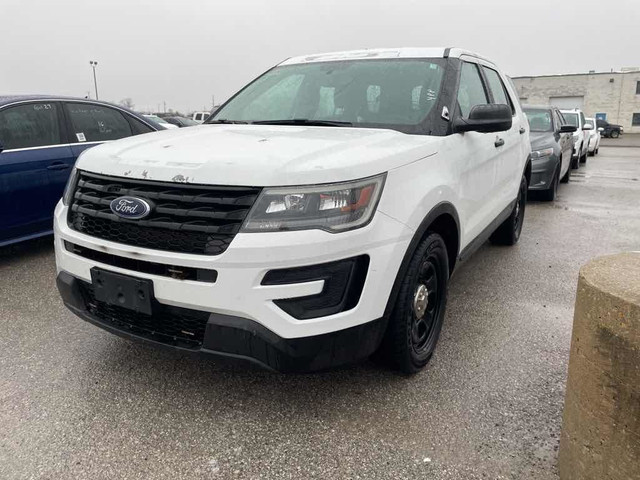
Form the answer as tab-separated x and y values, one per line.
542	171
244	339
239	297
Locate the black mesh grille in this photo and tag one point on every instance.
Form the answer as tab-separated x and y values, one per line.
185	218
176	326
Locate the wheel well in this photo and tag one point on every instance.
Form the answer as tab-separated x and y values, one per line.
446	226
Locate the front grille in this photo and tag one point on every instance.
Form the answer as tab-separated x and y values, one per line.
185	218
180	327
177	272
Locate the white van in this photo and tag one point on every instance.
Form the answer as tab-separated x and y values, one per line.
199	116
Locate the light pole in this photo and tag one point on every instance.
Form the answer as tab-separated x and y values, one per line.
94	64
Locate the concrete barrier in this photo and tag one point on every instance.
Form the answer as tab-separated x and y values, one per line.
601	422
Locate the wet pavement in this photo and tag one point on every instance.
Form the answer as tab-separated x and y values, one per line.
79	403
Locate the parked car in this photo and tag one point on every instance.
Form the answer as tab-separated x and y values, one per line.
181	121
317	220
609	130
594	137
200	117
41	137
576	118
160	121
551	149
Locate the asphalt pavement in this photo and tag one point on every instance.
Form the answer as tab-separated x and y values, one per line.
79	403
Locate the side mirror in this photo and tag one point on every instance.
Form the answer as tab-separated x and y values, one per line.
568	129
601	129
485	118
587	126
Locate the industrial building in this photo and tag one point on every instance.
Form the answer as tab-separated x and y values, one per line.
612	96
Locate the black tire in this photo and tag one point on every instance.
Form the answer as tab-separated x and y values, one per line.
597	150
412	334
583	158
567	176
549	195
508	233
592	154
615	133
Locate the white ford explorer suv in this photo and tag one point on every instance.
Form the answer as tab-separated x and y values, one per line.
315	219
581	136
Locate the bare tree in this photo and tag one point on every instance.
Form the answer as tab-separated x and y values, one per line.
127	102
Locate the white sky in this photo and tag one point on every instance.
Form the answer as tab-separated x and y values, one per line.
185	51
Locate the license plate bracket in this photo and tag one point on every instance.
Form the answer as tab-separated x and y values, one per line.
122	290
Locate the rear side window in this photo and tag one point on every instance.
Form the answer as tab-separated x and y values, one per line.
31	125
139	127
582	118
498	89
95	123
471	91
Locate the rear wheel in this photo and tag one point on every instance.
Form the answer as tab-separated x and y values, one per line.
416	320
583	158
508	233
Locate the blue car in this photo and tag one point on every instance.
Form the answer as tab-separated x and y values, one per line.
40	140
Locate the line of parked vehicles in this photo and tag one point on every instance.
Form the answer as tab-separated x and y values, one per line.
561	140
312	220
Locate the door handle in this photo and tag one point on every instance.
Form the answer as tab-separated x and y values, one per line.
58	166
499	142
522	130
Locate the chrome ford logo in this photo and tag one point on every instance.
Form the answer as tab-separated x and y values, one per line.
130	207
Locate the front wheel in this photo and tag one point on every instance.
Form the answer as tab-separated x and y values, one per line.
575	162
614	134
549	195
567	176
508	233
418	314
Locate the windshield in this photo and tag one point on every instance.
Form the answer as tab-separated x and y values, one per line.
571	119
373	93
539	120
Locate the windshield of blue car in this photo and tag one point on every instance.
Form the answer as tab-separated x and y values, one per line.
390	93
571	119
539	120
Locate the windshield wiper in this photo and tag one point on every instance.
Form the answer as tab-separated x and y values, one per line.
304	121
225	121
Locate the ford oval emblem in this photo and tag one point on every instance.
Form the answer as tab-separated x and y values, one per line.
132	208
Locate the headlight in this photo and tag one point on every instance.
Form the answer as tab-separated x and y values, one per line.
334	207
67	196
546	152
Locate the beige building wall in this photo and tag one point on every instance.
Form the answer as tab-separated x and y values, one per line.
610	93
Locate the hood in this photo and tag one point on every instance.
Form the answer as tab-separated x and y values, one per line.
258	155
541	139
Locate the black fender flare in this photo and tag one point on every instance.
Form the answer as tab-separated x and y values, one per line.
440	209
528	166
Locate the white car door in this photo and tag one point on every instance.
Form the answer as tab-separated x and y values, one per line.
473	156
508	153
